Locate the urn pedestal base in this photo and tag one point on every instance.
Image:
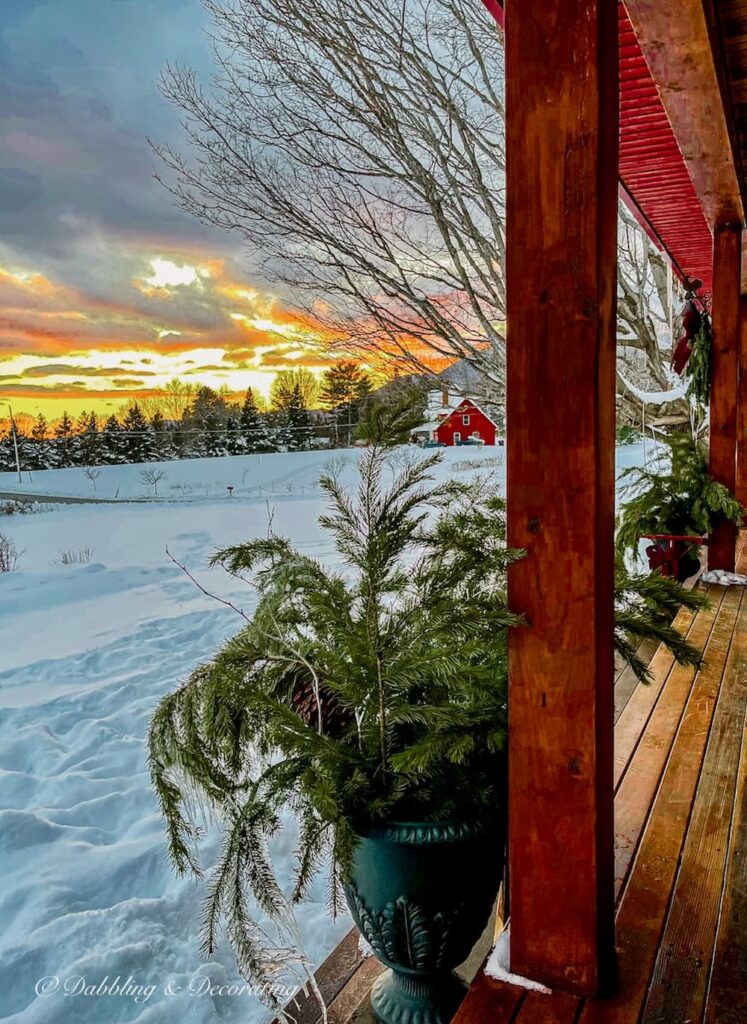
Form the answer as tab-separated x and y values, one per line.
421	894
416	999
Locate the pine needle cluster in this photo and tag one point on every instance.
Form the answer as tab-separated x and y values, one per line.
674	495
375	692
645	607
698	368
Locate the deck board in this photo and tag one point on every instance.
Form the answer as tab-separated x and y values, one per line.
646	897
681	847
641	780
678	986
728	980
632	721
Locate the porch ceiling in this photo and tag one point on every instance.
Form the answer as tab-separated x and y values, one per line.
728	24
676	166
653	170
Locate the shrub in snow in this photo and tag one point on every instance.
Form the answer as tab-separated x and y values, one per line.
92	473
80	557
10	508
9	554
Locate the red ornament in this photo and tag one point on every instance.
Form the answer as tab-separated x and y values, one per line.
692	319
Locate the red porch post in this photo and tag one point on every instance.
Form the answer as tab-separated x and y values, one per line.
562	129
741	491
727	259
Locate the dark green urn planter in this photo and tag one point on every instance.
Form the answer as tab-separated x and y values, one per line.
422	894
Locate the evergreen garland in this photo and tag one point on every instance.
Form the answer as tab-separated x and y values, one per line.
698	368
353	697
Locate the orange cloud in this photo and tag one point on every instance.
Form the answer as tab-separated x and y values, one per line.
160	307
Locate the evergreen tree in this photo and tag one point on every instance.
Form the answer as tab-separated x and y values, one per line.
298	422
89	442
344	387
40	430
65	446
253	426
8	451
163	446
6	462
138	441
113	443
234	438
206	423
42	450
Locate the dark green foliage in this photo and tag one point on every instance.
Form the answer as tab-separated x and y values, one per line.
253	428
627	435
297	421
386	424
698	368
676	495
89	447
344	384
137	438
113	443
65	446
645	606
405	646
355	697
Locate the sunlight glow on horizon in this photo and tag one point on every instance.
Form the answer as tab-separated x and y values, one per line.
141	321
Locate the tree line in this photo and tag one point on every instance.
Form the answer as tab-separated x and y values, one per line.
188	421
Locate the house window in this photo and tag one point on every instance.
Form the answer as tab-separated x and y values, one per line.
476	434
457	436
465	419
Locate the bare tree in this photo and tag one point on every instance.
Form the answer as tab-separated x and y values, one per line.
92	473
152	477
172	401
360	150
649	297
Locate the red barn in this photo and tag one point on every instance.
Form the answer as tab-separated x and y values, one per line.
465	422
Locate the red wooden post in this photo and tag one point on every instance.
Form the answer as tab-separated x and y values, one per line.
727	259
562	127
742	405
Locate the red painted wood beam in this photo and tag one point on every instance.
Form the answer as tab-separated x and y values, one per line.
652	170
741	490
727	261
561	147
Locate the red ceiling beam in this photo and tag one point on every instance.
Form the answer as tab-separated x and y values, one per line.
654	175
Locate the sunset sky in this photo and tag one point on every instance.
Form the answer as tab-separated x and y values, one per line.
107	291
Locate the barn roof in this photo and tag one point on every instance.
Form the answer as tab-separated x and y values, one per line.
474	405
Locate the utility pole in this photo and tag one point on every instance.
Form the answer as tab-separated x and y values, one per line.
15	444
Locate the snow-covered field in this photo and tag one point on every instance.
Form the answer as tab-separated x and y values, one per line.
275	475
86	650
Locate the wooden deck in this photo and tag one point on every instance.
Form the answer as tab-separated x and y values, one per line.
681	852
680	843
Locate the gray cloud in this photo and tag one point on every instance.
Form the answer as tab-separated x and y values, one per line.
79	96
66	369
9	390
